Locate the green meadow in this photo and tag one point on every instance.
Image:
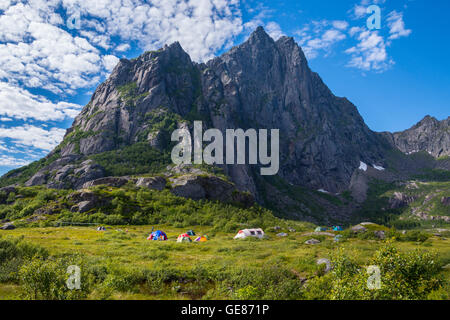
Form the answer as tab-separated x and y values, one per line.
120	263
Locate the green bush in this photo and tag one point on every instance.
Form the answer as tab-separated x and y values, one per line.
415	236
13	254
404	276
46	279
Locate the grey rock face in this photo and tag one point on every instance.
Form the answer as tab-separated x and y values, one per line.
359	184
208	187
359	229
84	206
108	181
8	226
380	234
261	84
5	192
155	183
39	178
282	234
400	200
188	187
8	190
428	135
312	241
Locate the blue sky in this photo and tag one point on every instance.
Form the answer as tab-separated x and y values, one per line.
54	53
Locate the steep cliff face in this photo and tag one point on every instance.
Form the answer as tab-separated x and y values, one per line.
428	135
268	84
262	84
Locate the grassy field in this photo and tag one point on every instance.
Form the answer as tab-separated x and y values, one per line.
199	270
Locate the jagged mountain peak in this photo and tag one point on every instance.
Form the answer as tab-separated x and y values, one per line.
427	120
429	134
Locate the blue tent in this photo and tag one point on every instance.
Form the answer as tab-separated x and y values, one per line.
157	235
338	228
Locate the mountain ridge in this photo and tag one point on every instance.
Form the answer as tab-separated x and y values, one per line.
261	83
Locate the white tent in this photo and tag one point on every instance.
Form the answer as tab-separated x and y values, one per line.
257	233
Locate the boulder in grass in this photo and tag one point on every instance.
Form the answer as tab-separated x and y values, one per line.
359	229
8	226
445	201
282	234
380	234
312	241
326	262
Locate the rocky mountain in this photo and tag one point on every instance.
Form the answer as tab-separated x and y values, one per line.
262	84
428	135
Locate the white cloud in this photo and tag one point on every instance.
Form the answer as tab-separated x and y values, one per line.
10	161
370	53
122	47
359	10
397	26
321	36
110	61
18	103
339	24
202	26
4	4
274	30
32	136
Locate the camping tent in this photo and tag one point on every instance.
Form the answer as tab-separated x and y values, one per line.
320	229
157	235
245	233
184	238
337	228
101	229
191	233
201	239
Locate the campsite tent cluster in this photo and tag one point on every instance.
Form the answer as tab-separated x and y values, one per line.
185	237
323	229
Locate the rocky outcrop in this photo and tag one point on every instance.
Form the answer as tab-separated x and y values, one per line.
359	229
8	226
359	184
210	188
400	200
5	192
312	241
86	201
153	183
380	234
116	182
445	201
67	173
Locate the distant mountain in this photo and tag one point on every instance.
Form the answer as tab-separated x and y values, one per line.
428	135
262	84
